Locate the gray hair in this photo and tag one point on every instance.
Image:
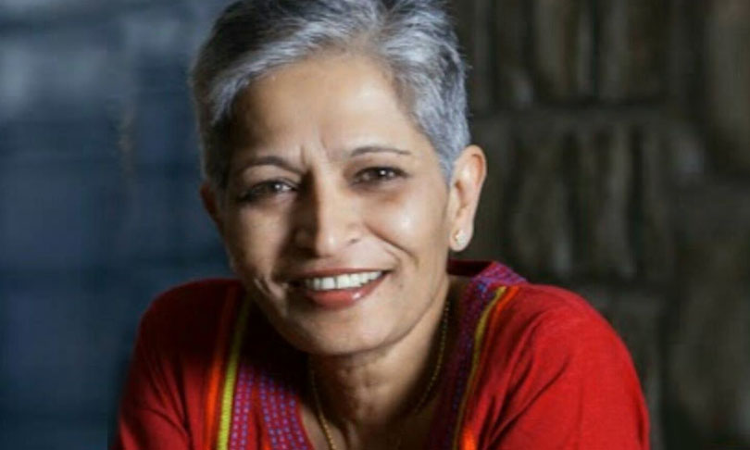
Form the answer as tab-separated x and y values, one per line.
413	39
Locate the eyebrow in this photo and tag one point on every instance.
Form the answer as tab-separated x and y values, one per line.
379	149
268	160
273	160
264	160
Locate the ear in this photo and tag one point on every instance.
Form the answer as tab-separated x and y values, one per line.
469	172
210	201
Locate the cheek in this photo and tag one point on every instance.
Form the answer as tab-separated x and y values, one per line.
253	240
413	218
254	244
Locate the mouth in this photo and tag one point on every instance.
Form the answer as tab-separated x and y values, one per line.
340	290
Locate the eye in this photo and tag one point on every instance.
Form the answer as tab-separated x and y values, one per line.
266	190
378	174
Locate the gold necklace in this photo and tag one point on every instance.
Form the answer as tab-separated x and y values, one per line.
422	400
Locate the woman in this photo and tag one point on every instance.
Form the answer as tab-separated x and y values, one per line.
340	176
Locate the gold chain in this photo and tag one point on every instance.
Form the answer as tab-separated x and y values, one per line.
422	400
319	408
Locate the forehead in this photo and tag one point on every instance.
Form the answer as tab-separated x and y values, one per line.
350	75
329	98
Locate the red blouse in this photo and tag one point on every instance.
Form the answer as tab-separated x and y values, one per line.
535	367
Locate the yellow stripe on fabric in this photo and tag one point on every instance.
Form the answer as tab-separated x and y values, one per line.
213	394
231	377
468	442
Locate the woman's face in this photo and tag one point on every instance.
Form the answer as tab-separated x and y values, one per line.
336	216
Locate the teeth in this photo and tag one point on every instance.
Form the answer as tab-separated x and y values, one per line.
348	281
342	282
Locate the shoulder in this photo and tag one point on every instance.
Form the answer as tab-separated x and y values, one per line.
533	318
189	311
554	307
194	298
546	362
517	313
511	316
173	353
544	334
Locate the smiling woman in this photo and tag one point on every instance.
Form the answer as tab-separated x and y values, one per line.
339	175
333	179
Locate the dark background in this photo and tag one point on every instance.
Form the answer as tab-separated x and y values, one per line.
618	134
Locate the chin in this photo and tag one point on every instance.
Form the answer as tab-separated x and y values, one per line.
356	329
342	342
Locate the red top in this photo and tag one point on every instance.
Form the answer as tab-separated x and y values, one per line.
534	367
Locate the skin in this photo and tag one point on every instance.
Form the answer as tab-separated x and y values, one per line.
328	173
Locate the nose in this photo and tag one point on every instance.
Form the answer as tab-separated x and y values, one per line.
326	219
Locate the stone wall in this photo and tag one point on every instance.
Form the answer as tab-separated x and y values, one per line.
618	133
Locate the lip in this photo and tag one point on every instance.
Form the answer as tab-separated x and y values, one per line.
337	298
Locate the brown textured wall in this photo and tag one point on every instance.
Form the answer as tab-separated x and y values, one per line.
618	137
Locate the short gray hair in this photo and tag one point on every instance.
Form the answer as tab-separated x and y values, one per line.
413	39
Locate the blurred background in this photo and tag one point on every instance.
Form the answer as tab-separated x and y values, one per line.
618	134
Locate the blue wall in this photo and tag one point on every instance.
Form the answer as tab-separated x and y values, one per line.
98	201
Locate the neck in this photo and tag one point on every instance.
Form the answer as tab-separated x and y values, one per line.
368	395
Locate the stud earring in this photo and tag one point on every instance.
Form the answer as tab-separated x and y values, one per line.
459	238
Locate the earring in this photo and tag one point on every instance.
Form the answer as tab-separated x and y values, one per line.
459	238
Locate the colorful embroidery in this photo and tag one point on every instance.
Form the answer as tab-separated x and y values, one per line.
279	407
227	399
241	416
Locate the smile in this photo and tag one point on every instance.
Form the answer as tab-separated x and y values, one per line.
338	290
345	281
